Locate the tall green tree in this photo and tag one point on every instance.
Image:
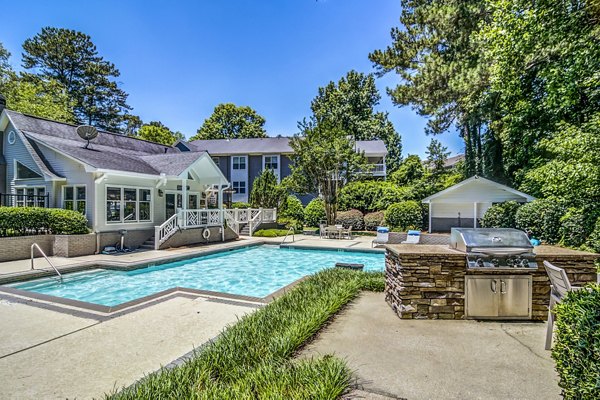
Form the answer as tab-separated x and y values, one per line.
350	104
437	154
70	58
156	131
43	98
410	171
229	121
324	160
544	58
438	58
266	192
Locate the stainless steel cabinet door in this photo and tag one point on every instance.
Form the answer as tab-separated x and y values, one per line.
515	297
482	297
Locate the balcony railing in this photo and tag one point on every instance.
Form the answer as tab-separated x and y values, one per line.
24	200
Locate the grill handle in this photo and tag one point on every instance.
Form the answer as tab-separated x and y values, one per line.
493	285
502	287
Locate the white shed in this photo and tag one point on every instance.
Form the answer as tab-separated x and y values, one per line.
462	204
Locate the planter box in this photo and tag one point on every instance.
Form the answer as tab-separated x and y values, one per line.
74	245
19	247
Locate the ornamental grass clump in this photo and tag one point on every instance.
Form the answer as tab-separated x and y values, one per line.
253	358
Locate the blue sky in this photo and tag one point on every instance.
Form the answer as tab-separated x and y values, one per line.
178	60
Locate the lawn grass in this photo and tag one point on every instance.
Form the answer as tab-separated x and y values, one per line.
253	358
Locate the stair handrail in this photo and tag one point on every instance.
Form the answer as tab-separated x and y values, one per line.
251	221
165	230
231	221
293	231
36	246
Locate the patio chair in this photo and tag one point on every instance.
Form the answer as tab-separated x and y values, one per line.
412	237
346	233
559	287
322	230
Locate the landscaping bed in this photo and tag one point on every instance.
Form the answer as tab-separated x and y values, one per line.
253	358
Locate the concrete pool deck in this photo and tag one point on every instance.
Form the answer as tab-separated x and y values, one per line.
437	359
50	350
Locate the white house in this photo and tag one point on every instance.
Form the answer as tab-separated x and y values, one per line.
467	201
119	183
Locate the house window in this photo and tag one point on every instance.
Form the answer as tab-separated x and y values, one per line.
125	204
239	187
239	162
216	160
74	198
30	197
23	172
271	162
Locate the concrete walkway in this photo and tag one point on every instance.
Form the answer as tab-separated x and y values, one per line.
438	359
52	355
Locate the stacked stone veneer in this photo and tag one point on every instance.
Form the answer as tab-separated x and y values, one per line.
432	286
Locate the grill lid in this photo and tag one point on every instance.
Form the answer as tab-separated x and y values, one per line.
469	239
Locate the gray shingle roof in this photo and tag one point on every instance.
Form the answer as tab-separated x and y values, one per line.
108	151
270	145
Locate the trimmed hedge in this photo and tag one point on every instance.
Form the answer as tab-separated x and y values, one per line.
500	215
577	346
292	208
373	220
353	218
240	204
541	217
270	232
405	215
593	241
368	196
21	221
314	212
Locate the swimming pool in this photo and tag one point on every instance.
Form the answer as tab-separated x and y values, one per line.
252	271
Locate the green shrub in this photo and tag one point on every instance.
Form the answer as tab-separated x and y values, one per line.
353	218
253	359
577	346
500	215
373	220
593	240
405	215
19	221
368	196
240	204
270	232
573	228
314	212
542	218
290	222
292	208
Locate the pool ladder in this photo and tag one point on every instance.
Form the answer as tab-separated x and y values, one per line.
36	246
292	231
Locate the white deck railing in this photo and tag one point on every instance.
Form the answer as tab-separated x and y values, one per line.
204	218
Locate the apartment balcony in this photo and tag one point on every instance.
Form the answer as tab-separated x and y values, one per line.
375	170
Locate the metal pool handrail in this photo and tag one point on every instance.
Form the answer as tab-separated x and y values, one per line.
36	246
292	230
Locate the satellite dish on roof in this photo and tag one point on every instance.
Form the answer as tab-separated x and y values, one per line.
87	132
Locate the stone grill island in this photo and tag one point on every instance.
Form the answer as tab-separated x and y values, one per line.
429	282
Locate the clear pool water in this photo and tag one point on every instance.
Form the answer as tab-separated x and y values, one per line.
253	271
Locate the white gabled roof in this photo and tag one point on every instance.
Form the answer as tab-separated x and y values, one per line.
478	189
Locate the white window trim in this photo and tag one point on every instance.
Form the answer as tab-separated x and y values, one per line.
122	205
238	182
239	158
75	201
24	187
276	171
189	193
16	178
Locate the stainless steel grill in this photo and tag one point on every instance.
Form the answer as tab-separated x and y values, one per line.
494	248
